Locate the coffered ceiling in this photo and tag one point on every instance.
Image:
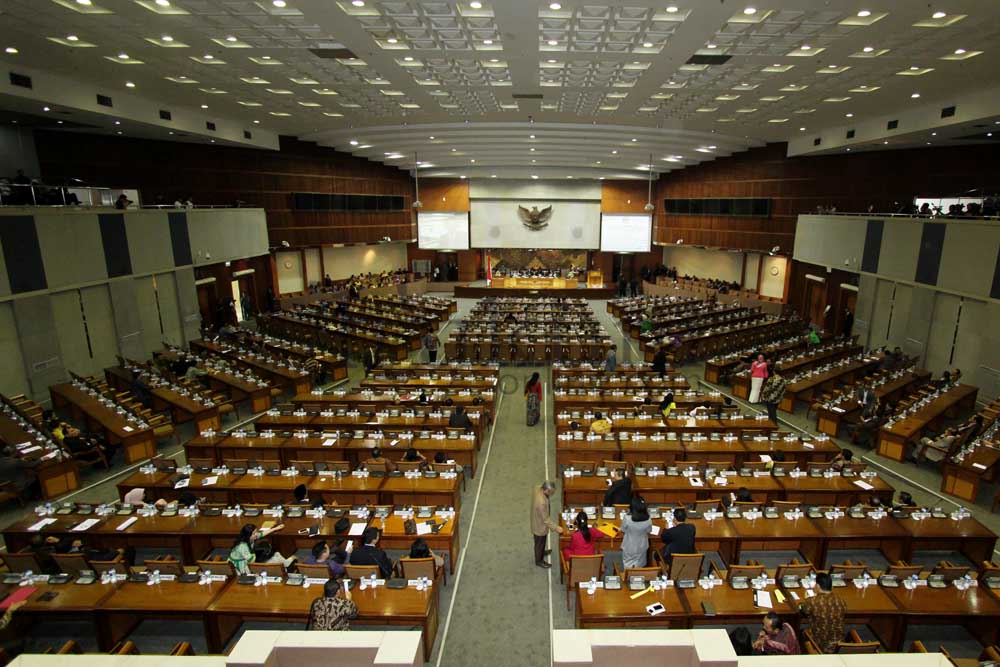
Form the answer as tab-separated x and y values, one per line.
602	87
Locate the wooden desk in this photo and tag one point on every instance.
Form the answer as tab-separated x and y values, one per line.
137	444
828	420
975	609
133	603
421	491
895	442
972	538
57	475
347	490
596	451
871	606
887	535
617	609
279	603
837	490
534	283
805	390
282	376
240	389
963	479
446	540
779	534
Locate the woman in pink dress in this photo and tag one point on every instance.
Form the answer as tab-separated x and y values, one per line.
758	373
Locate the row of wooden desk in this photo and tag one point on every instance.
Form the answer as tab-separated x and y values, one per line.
270	489
829	419
707	342
895	442
57	474
719	366
807	489
824	354
137	443
815	538
195	537
327	334
223	607
732	450
182	408
887	611
282	376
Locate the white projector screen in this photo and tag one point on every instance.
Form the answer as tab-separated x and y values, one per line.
442	230
626	232
573	225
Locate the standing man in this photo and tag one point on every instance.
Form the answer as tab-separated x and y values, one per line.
611	360
541	522
772	391
679	538
430	341
825	613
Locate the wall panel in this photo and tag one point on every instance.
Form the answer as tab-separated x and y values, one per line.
290	276
100	326
13	378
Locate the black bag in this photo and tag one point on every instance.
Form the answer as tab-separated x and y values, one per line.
410	527
342	525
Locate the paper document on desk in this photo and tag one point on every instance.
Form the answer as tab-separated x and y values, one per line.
329	442
655	531
209	481
696	481
182	483
763	600
766	458
977	466
126	523
30	449
85	525
127	429
864	485
35	527
423	528
358	528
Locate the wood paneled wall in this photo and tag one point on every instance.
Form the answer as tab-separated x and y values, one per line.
849	181
626	197
447	194
225	175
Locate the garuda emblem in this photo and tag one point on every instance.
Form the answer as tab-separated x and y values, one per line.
535	219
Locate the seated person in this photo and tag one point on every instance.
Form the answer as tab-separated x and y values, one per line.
333	559
678	539
137	498
334	610
584	539
845	457
377	459
441	458
936	449
619	488
413	456
743	495
459	419
419	549
300	495
777	637
667	404
600	425
370	553
904	501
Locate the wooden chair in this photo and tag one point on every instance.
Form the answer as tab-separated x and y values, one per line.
904	570
70	648
849	570
269	464
950	571
653	465
755	466
750	571
71	564
745	506
578	569
854	645
990	653
413	568
166	565
201	463
361	571
220	566
404	466
22	561
314	570
8	491
125	648
583	466
685	566
793	569
647	573
268	569
342	466
989	569
786	505
182	648
372	466
615	465
917	647
118	564
709	505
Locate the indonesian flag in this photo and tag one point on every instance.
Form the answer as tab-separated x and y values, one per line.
489	269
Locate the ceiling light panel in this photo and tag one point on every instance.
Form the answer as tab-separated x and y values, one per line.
167	9
89	8
428	26
602	30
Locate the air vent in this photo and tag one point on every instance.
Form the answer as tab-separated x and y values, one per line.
333	54
104	101
947	112
850	134
892	125
699	59
20	80
817	141
247	135
209	125
165	115
528	96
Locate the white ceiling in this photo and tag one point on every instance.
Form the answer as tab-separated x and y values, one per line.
607	73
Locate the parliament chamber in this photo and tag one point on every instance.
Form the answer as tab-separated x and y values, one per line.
304	306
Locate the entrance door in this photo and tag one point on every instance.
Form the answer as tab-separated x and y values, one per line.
815	302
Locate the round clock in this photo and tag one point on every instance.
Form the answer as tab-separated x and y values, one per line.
774	271
288	264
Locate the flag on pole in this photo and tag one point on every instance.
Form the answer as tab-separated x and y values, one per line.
489	269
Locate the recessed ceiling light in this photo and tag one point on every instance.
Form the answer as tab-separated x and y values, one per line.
278	3
353	142
671	9
804	47
864	13
849	115
487	42
614	152
72	38
553	42
868	49
647	45
11	50
959	52
476	5
129	84
45	109
938	15
204	106
207	56
85	3
710	46
534	176
166	38
802	129
750	11
358	3
163	3
256	122
915	95
531	136
230	39
392	40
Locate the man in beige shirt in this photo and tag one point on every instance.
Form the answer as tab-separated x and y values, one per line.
541	522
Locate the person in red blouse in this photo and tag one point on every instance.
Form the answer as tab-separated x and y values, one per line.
584	540
533	398
758	373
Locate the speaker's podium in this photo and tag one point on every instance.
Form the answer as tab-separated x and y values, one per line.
595	279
